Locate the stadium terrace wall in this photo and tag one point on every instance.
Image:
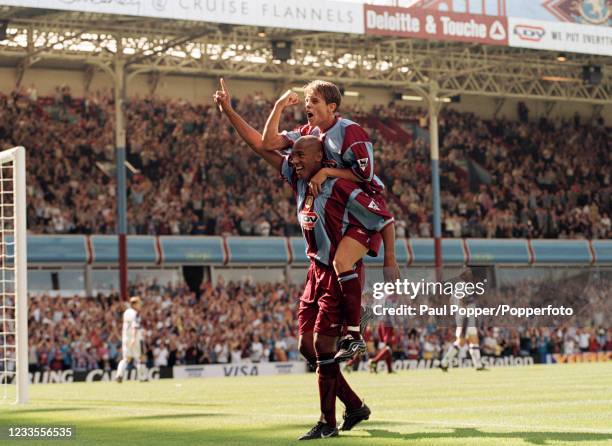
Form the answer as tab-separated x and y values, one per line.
101	250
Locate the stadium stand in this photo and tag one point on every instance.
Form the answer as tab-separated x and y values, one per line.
502	179
258	325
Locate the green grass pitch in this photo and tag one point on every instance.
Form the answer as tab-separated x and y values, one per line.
538	405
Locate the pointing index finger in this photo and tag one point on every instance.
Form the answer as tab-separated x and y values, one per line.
223	86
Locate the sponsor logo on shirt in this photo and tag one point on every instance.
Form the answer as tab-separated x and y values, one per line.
308	219
308	202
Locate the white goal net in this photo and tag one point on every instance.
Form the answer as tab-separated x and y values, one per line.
13	283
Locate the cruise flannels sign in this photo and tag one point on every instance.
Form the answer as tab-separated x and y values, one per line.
428	24
314	15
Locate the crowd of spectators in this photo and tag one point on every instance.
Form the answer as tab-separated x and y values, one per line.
578	328
238	322
225	323
536	179
535	343
188	174
191	174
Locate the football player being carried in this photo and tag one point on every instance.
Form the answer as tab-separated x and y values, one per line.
131	340
466	325
346	146
348	155
320	313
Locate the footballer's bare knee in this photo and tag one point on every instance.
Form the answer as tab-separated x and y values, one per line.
324	344
349	252
341	265
306	347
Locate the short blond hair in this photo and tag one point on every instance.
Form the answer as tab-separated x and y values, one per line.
135	300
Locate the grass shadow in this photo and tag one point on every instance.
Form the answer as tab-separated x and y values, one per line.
168	417
532	437
138	402
47	410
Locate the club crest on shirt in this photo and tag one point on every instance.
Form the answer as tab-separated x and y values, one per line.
373	205
308	202
308	219
363	163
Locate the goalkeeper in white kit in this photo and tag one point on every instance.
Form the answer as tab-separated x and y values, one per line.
131	340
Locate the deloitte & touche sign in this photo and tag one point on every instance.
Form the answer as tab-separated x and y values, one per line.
429	24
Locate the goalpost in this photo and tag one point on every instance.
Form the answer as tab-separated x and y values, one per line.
13	277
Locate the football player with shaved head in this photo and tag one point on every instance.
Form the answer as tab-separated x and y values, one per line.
339	208
349	151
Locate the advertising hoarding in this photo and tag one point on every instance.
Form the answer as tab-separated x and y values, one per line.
315	15
429	24
559	36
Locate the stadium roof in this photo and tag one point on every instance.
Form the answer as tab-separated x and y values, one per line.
89	41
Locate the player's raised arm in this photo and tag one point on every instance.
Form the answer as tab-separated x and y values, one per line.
273	158
272	139
224	102
248	134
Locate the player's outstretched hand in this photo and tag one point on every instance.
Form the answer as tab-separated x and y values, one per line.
317	181
391	272
288	99
222	97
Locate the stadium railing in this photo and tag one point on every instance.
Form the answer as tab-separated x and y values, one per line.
102	250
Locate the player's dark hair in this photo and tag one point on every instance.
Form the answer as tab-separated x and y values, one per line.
328	90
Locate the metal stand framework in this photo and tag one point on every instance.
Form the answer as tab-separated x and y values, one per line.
119	74
205	49
116	70
434	105
120	144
